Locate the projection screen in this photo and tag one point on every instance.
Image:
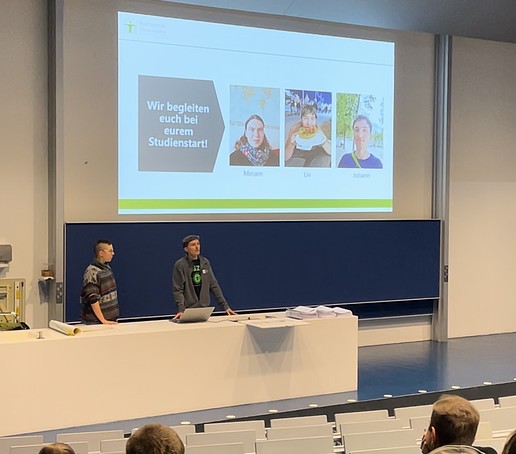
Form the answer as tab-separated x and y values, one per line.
160	103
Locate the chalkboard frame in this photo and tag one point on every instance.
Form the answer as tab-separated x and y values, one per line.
262	265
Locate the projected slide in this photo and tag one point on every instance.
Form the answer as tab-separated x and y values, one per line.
218	118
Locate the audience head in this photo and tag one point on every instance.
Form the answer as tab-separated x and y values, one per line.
510	444
57	448
454	421
154	439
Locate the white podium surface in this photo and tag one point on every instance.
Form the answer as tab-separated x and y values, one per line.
136	370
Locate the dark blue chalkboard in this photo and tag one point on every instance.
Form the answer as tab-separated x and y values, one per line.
262	265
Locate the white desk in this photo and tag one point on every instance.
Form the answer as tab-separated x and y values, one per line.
137	370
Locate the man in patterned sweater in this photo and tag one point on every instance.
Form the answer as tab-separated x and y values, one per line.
99	296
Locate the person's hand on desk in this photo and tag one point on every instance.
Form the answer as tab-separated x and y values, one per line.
98	312
177	316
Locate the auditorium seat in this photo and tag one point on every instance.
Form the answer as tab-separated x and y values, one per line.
495	443
223	448
377	440
80	447
257	425
405	413
484	430
418	411
483	404
247	437
507	401
281	433
113	445
184	429
313	445
299	421
181	430
25	449
93	438
379	425
419	423
7	442
502	419
356	416
397	450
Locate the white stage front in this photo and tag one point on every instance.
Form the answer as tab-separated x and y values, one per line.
146	369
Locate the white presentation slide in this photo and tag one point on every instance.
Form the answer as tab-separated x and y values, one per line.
217	118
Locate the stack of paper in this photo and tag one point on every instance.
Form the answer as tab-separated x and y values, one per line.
302	312
305	312
325	312
341	312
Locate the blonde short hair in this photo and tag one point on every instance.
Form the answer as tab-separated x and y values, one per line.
455	420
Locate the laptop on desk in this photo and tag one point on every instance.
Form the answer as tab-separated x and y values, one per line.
195	314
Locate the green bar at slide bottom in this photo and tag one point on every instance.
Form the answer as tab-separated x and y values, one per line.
197	204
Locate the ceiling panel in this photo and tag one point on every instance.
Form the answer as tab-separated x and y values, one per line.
485	19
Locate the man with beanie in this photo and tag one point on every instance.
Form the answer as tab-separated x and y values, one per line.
193	279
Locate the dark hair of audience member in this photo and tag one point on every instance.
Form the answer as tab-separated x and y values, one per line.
57	448
510	444
154	439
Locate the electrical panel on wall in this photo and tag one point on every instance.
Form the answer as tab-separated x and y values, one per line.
12	300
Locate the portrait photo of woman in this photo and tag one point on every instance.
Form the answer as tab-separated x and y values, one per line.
253	147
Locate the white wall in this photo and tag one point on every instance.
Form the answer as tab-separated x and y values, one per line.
482	291
395	331
482	187
23	145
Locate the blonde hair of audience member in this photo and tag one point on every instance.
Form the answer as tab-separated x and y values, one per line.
454	421
57	448
154	439
510	444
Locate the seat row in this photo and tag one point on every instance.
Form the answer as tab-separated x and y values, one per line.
353	433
